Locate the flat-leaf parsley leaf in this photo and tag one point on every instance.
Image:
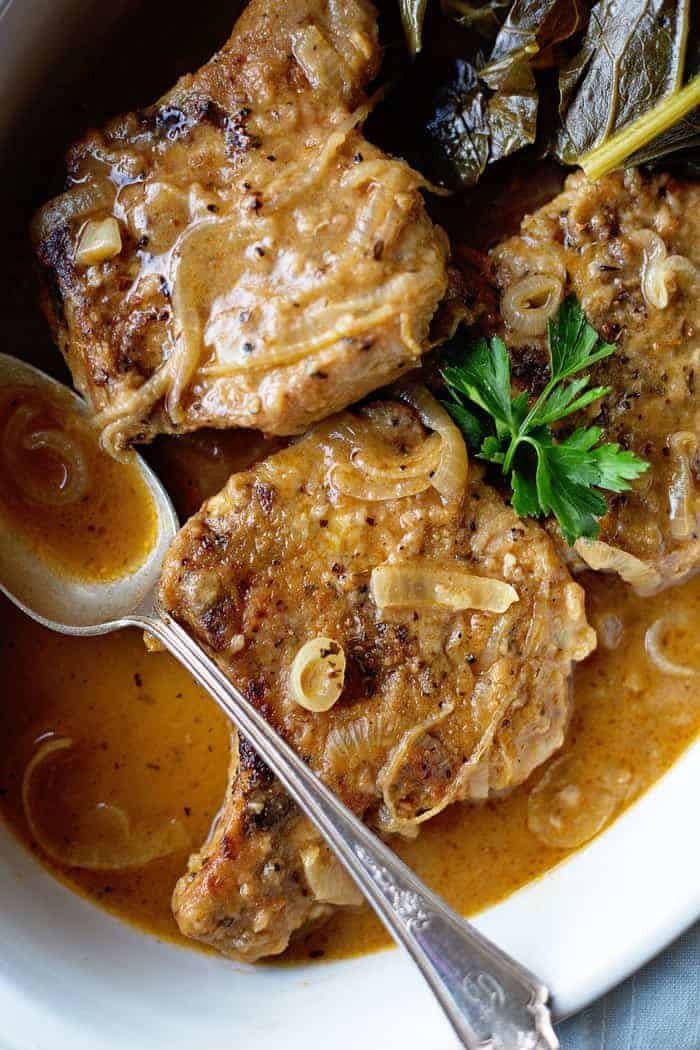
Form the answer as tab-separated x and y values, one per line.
563	478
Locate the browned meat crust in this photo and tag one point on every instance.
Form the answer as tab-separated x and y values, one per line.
437	705
602	238
275	266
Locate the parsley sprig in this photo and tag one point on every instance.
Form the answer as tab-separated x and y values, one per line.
564	478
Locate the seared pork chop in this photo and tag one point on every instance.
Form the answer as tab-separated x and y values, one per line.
629	247
239	254
438	704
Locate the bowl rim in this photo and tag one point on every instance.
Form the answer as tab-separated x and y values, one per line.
582	927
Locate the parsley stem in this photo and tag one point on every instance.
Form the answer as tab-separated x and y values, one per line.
508	459
522	430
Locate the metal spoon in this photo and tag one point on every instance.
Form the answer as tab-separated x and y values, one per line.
491	1000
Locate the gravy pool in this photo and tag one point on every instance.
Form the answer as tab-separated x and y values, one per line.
153	743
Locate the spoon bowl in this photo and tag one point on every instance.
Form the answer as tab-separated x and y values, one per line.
57	599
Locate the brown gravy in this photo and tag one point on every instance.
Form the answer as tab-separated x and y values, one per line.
156	746
83	536
150	740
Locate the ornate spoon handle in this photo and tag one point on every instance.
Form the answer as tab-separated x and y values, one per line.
491	1001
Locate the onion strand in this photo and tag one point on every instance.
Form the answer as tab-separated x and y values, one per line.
101	838
21	436
428	584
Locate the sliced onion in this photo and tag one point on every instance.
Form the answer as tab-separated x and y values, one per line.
683	445
318	674
322	64
450	476
102	838
654	650
378	473
422	583
99	240
528	304
569	805
418	463
658	267
328	880
22	436
349	482
186	296
602	557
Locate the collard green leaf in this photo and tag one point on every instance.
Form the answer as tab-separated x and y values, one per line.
412	18
485	19
633	55
486	109
630	94
459	128
684	136
533	26
481	117
512	108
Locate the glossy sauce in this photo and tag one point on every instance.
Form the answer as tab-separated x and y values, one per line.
147	739
153	744
96	528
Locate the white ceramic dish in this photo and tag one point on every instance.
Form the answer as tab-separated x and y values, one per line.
73	977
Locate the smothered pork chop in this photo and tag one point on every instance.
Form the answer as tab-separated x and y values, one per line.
411	638
628	246
239	254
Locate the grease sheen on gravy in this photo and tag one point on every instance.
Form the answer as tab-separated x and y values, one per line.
105	529
152	743
148	739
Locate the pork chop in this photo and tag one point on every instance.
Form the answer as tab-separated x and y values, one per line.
628	246
438	704
239	254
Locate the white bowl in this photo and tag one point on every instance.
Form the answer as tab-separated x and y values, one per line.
73	977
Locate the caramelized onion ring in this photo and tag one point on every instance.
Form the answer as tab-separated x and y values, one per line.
350	482
20	436
684	446
105	839
414	464
528	304
450	476
658	267
568	806
653	647
318	674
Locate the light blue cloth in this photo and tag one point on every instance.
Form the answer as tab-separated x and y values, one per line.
657	1008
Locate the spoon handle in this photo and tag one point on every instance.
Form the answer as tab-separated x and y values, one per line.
491	1001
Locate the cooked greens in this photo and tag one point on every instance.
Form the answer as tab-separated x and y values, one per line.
412	16
484	18
486	108
671	127
625	76
547	476
476	120
632	56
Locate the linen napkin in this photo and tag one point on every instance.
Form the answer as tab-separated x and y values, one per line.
657	1008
